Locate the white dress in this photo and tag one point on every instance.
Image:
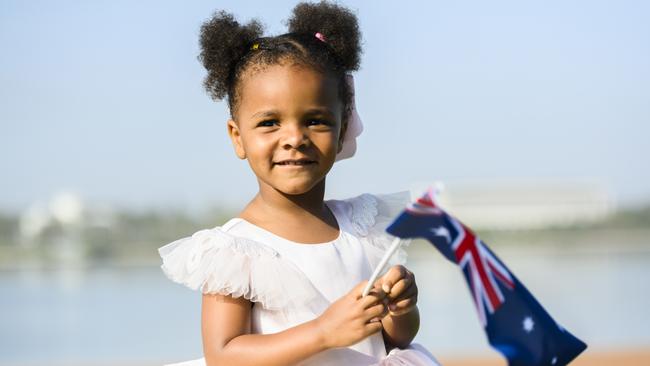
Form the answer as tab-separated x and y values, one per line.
291	283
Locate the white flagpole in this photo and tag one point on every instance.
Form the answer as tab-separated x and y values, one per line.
380	267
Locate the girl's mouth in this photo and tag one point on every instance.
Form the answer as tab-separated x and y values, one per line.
295	162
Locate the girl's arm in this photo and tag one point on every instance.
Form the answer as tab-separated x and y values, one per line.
226	324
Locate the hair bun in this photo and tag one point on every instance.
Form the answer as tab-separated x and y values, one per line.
337	24
223	43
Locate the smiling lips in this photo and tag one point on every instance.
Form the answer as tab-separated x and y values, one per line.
295	162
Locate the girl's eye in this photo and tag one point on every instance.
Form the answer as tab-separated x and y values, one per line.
316	122
267	123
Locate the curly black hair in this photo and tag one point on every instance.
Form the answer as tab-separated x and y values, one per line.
229	49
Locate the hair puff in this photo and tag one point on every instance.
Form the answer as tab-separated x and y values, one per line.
223	43
337	24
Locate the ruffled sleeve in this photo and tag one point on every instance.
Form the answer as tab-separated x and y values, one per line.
369	216
216	262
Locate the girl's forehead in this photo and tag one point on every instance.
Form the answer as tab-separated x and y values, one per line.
288	85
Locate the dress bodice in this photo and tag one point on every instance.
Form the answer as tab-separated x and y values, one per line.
333	268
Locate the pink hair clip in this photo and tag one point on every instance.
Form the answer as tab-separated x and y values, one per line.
320	36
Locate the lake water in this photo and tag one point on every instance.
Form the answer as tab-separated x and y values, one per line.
135	316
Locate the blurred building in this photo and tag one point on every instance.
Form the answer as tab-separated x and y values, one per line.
63	230
530	205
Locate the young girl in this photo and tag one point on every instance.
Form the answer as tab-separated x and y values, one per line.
282	282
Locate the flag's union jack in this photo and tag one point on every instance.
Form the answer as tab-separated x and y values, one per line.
480	266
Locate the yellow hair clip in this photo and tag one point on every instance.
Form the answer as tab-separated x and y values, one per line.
255	46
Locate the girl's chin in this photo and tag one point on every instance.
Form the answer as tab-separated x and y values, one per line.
298	189
295	191
293	187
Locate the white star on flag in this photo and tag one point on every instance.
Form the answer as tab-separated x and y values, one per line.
442	231
528	324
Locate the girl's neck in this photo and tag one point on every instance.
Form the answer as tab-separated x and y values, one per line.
270	202
302	218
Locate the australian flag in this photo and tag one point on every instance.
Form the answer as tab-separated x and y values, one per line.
515	323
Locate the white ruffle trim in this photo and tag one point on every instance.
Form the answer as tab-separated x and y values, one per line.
370	215
216	262
414	355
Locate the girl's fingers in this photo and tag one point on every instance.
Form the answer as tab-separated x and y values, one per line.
394	274
410	291
402	306
398	288
375	296
400	312
378	310
372	328
404	303
405	300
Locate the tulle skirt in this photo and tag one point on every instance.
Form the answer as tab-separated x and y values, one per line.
414	355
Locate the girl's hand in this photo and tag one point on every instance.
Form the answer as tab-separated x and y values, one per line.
400	288
352	318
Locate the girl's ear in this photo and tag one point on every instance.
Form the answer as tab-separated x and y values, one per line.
235	137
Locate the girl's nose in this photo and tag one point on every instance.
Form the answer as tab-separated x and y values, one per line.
294	137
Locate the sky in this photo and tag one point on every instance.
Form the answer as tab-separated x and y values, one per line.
105	99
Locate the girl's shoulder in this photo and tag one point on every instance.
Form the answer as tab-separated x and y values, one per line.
367	217
370	214
214	261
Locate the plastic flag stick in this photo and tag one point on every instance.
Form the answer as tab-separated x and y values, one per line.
380	267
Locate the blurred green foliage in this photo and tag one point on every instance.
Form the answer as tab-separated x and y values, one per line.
125	237
8	229
133	237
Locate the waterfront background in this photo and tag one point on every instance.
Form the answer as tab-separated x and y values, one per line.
121	309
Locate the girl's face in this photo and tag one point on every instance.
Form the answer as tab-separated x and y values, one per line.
288	126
